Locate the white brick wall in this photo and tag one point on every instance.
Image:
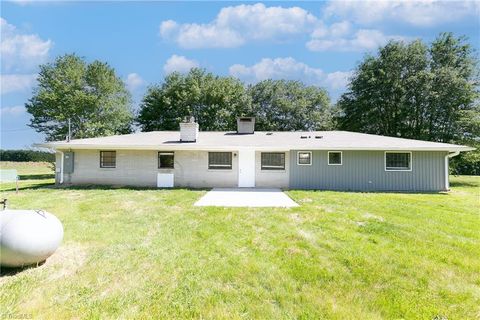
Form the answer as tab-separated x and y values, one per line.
188	131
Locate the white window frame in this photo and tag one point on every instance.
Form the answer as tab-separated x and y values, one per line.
165	153
304	164
335	164
397	170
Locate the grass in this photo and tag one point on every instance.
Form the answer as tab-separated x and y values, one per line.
133	253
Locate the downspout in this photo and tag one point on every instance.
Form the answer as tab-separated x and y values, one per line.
447	157
61	167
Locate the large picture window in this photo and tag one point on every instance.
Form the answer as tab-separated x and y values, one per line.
165	160
108	159
273	161
398	161
220	160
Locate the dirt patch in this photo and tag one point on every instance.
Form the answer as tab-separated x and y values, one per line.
67	260
373	217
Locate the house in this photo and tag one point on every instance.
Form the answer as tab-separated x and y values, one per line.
336	160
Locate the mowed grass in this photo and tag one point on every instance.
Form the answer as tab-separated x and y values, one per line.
134	253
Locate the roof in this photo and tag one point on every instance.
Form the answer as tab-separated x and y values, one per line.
277	140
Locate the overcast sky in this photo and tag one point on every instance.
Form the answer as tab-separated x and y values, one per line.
318	43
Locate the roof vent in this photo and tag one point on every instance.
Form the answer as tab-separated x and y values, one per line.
245	125
269	133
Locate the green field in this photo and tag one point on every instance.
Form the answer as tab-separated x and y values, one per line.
145	253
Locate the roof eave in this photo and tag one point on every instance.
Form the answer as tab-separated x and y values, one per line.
193	146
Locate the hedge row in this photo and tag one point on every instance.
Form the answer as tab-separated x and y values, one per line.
26	156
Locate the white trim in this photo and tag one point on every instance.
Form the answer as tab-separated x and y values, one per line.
447	175
335	164
304	164
447	183
397	170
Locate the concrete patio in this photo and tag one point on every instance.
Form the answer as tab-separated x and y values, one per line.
245	197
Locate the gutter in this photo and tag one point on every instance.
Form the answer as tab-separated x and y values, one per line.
193	146
447	157
61	166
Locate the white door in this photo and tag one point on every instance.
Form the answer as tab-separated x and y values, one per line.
246	168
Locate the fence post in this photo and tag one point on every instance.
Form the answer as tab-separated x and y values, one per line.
16	182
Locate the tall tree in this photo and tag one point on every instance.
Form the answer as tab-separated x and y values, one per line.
415	91
214	101
290	105
90	94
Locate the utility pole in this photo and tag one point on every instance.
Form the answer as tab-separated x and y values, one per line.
69	130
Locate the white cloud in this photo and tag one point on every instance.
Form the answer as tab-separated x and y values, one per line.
21	52
167	28
418	12
236	25
16	82
12	111
363	39
291	69
134	81
179	64
338	80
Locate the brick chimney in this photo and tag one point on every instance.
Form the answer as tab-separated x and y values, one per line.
188	130
245	125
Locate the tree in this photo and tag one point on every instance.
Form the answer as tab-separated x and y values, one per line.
90	94
214	101
414	91
290	105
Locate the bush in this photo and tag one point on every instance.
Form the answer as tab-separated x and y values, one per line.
466	163
26	156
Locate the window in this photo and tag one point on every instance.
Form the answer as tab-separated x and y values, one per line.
334	158
165	160
398	161
219	160
108	159
273	161
304	158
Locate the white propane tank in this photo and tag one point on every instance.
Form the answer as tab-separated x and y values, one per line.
28	236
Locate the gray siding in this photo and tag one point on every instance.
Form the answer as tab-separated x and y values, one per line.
365	171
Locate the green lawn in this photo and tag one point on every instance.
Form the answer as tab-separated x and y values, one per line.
132	253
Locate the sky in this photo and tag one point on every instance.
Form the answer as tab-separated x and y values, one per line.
319	43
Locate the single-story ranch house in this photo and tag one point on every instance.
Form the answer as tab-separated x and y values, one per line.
336	160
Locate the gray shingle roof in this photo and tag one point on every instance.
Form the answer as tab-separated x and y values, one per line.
216	140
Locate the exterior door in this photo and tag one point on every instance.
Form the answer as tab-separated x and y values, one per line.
246	168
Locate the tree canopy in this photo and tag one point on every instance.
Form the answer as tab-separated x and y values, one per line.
214	101
90	94
284	105
415	91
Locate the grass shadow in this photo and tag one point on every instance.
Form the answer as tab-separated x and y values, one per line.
11	271
29	187
121	187
464	184
440	193
37	176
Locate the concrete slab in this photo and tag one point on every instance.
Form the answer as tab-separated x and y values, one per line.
245	197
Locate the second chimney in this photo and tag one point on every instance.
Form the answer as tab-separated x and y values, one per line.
189	130
245	125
